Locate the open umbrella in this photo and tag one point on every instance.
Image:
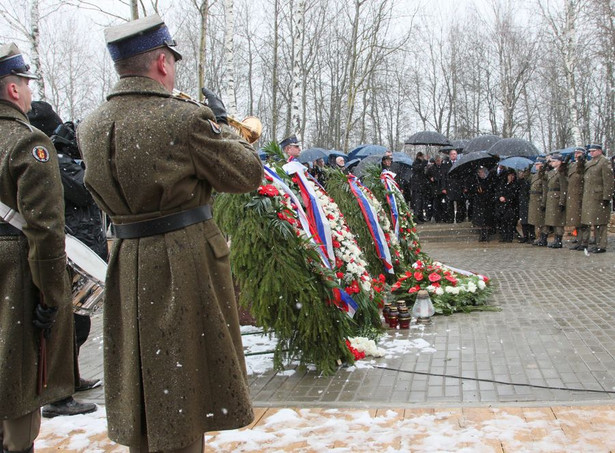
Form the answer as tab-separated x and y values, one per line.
427	138
333	154
369	161
481	143
402	157
363	151
351	164
516	162
457	145
310	155
510	147
469	163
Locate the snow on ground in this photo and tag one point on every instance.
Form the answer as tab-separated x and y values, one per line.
354	430
394	342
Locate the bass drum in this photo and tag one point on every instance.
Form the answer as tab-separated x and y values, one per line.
87	272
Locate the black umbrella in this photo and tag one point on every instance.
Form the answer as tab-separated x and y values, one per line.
469	163
427	138
310	155
457	145
513	147
518	163
481	143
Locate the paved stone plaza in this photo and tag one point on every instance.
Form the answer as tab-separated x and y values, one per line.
554	331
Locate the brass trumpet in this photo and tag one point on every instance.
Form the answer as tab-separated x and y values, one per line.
250	128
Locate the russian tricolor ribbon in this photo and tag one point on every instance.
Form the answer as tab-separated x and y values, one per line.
347	302
388	179
371	218
305	223
319	226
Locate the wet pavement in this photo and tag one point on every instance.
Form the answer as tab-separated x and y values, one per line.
552	342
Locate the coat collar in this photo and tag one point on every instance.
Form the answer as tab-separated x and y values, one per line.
131	85
8	110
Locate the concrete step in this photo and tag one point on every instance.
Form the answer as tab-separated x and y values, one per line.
446	232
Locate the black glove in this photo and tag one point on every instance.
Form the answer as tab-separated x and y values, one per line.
606	203
216	105
44	318
562	208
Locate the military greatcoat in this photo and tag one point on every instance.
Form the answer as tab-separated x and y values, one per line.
535	214
555	198
597	187
33	266
174	363
574	195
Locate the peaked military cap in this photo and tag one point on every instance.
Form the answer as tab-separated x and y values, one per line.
594	146
289	141
580	149
540	160
139	36
556	157
12	62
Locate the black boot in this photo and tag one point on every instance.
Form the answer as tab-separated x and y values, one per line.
542	241
557	242
67	406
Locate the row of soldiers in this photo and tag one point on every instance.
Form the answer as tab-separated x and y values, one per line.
577	195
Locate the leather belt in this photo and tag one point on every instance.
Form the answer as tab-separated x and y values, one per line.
6	229
163	224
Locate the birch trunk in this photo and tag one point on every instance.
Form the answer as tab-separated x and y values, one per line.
134	9
203	12
570	64
34	38
229	54
298	31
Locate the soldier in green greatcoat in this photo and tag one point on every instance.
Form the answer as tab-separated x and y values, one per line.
574	195
174	365
554	199
597	194
536	209
36	316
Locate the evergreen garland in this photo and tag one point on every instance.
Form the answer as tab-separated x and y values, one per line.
338	188
280	275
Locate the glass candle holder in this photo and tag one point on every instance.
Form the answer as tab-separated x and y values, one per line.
423	308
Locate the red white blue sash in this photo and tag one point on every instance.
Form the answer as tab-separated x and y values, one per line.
371	218
388	179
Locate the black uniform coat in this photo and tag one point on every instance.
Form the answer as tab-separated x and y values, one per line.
174	364
481	192
32	265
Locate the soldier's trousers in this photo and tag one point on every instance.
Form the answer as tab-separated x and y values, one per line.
601	235
557	230
18	434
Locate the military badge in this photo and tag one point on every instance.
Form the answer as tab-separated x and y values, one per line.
40	153
215	128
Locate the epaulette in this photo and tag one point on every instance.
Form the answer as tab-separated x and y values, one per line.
25	123
180	95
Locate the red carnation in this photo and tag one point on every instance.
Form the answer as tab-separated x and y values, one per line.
396	286
414	289
336	244
434	277
418	276
340	274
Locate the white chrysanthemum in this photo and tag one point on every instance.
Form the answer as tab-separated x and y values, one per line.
481	284
439	291
367	346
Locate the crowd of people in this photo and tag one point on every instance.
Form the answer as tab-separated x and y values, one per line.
557	191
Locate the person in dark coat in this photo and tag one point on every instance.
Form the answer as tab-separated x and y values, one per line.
455	192
528	234
174	362
437	179
36	313
481	192
418	186
507	205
